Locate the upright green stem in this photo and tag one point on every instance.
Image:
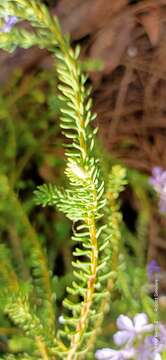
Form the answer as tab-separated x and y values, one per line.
41	18
88	300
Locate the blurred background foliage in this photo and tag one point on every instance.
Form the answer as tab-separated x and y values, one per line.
31	153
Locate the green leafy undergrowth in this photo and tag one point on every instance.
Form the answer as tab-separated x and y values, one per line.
77	247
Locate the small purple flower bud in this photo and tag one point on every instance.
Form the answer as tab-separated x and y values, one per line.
152	268
9	22
158	181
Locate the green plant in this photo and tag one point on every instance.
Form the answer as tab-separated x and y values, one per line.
90	203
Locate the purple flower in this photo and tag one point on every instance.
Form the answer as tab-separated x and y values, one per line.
146	347
110	354
158	181
148	350
162	337
10	21
130	329
152	268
